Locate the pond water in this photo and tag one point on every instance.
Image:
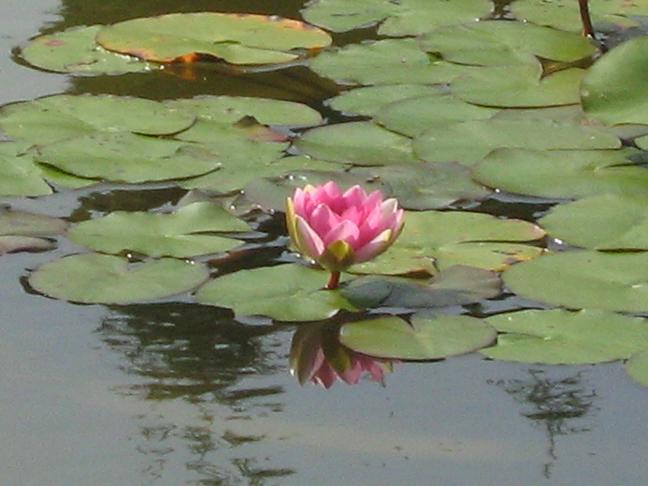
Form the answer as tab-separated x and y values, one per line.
179	393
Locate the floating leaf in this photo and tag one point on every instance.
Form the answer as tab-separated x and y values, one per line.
19	176
129	158
19	231
427	337
75	51
563	337
359	143
637	367
615	89
505	43
284	292
605	222
234	38
104	279
369	100
469	142
457	285
187	232
13	244
562	173
60	117
584	279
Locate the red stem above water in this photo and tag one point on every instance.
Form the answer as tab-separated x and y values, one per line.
333	281
588	29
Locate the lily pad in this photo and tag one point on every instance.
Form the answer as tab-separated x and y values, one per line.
562	337
358	143
425	338
61	117
435	240
234	38
21	231
605	222
14	244
126	157
19	175
584	279
456	285
185	233
104	279
505	43
471	141
75	51
369	100
563	173
615	89
637	367
390	61
285	293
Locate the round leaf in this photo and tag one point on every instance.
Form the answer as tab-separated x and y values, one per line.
367	101
19	176
637	367
21	223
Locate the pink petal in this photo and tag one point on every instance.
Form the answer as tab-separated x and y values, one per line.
374	248
353	214
325	376
308	241
323	220
345	231
299	198
355	196
352	375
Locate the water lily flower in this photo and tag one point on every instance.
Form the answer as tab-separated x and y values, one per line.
337	229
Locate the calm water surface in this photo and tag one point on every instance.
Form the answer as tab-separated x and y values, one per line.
173	393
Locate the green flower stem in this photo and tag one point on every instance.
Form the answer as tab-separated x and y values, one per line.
333	281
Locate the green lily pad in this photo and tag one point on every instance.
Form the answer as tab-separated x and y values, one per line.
615	89
19	176
471	141
234	38
642	142
390	61
126	157
359	143
425	338
413	116
21	231
369	100
637	367
427	186
605	222
185	233
456	285
562	337
75	51
505	43
406	17
435	240
285	293
584	279
562	173
60	117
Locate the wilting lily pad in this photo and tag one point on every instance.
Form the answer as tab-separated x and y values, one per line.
359	143
427	337
637	367
562	173
105	279
469	142
234	38
505	43
75	51
427	186
615	89
437	240
390	61
126	157
21	231
285	293
584	279
563	337
60	117
187	232
406	17
457	285
605	222
368	100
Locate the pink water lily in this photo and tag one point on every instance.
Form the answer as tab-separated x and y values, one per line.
337	229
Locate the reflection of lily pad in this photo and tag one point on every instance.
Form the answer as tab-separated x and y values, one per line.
605	222
285	292
104	279
584	279
75	51
637	367
187	232
434	337
234	38
457	285
368	100
359	143
562	173
563	337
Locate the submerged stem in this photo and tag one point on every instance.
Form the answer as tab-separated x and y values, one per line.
588	29
333	281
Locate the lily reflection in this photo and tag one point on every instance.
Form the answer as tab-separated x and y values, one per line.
317	356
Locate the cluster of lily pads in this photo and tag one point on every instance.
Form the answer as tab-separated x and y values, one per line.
445	111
